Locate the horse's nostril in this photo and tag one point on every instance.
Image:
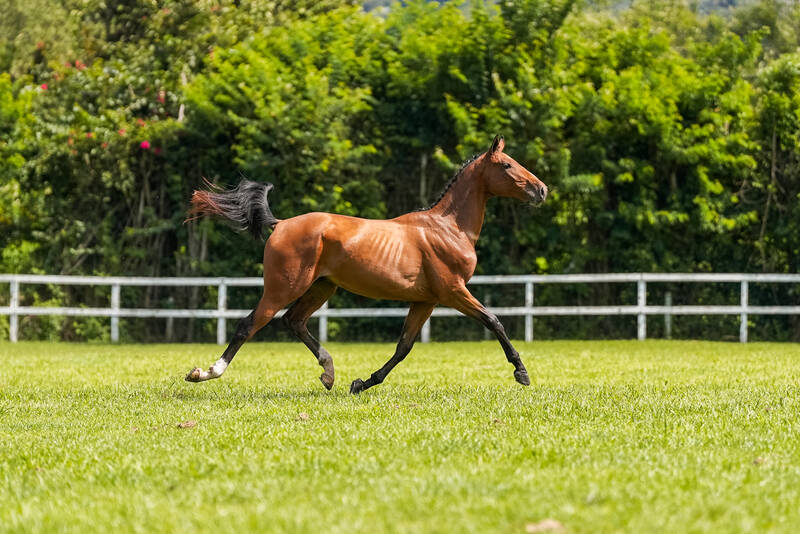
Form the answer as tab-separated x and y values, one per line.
537	192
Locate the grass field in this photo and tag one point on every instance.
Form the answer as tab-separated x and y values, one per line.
610	437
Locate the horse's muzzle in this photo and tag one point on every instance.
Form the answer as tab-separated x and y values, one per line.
536	192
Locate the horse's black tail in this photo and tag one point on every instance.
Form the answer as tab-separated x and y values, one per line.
244	207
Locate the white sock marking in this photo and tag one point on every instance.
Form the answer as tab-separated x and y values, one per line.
218	368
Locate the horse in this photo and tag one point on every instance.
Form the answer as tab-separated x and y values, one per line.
424	258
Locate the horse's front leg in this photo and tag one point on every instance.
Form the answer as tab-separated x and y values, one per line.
417	315
467	304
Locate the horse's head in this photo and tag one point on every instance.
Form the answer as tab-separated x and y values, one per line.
505	177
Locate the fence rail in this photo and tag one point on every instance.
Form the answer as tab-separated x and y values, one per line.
641	309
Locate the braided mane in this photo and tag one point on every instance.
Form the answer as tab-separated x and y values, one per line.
450	182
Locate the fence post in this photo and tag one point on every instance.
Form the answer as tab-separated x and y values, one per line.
425	335
222	302
743	298
641	301
668	315
323	324
528	316
115	318
13	319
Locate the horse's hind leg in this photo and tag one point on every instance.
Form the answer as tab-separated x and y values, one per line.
288	273
296	319
417	315
245	329
287	276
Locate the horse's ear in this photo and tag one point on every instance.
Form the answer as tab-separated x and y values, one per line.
497	145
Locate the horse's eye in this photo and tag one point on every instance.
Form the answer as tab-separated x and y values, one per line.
506	165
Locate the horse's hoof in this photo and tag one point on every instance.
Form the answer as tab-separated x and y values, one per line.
357	386
522	377
327	380
194	375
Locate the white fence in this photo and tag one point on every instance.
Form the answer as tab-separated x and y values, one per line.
641	309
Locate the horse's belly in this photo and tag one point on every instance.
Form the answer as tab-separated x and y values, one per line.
379	289
379	280
383	267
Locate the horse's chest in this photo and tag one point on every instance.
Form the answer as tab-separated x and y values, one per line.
453	256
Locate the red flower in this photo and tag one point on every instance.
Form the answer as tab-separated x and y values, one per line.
80	65
140	122
90	134
104	145
144	145
121	131
44	87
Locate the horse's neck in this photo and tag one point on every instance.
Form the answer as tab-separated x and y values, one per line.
464	205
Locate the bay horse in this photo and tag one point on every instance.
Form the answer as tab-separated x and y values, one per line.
424	257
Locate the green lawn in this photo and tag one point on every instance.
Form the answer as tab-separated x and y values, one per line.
618	436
